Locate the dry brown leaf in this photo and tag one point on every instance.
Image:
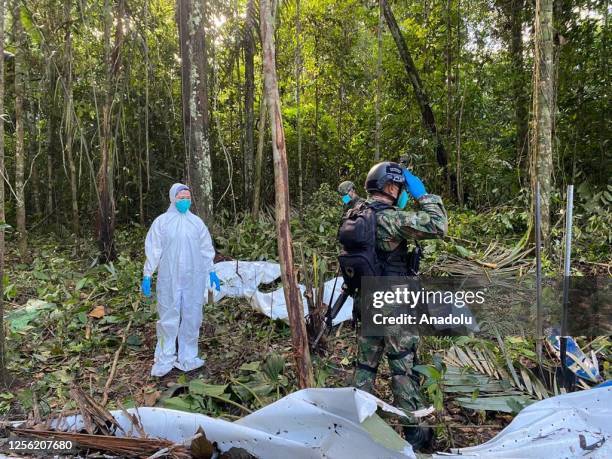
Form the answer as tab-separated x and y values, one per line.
151	398
97	312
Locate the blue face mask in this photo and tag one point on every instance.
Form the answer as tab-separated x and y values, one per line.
183	205
346	199
402	200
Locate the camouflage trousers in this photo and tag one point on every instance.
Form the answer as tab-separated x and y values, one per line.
401	355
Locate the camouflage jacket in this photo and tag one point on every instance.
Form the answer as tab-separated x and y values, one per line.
395	225
352	203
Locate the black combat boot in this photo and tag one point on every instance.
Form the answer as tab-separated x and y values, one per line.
419	437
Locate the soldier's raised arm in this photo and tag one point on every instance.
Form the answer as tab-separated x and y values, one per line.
429	222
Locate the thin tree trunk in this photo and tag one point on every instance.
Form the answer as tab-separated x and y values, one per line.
317	165
34	178
558	41
543	97
379	76
458	90
419	92
50	180
237	83
196	123
298	91
2	216
106	213
518	85
449	70
293	296
249	102
69	127
146	126
259	158
52	129
458	162
19	134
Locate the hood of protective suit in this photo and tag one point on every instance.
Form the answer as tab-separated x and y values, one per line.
174	190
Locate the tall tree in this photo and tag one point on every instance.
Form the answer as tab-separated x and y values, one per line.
2	216
194	82
69	122
543	110
249	101
293	296
514	12
112	55
379	76
53	122
259	158
19	37
298	93
427	114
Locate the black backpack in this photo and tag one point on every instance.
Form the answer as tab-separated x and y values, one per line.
357	235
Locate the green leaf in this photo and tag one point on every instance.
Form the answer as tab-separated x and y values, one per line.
198	387
19	319
81	283
133	340
82	317
507	404
252	366
180	403
462	251
429	371
40	275
109	320
273	366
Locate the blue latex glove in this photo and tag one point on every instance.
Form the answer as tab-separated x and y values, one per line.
146	286
214	281
414	185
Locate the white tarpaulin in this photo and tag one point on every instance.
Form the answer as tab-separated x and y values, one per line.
241	279
570	425
309	424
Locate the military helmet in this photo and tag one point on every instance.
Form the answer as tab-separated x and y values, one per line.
382	173
345	187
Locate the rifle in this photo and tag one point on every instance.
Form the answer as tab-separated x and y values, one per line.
414	260
332	312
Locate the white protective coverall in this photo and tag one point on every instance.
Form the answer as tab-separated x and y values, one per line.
179	246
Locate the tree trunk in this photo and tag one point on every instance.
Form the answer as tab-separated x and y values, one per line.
379	76
2	216
69	127
249	102
316	159
34	178
196	124
298	91
293	296
106	211
146	120
518	85
419	92
52	128
543	97
259	158
19	134
559	28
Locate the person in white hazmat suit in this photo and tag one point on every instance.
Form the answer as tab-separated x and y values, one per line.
179	247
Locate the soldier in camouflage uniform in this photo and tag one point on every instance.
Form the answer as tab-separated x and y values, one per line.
389	183
350	198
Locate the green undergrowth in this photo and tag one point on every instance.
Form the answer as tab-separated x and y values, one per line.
67	315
